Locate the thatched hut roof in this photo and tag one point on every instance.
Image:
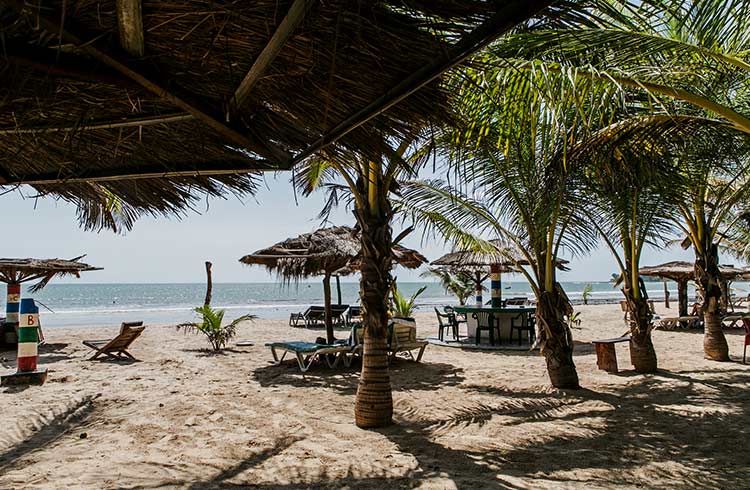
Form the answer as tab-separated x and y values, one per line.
332	250
156	101
505	257
682	271
43	270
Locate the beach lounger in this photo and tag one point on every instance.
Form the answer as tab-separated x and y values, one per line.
337	314
308	352
117	348
313	316
670	323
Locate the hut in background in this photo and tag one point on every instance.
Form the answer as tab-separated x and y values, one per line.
327	252
683	272
480	264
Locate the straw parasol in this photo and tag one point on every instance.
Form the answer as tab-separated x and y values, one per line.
156	102
14	272
327	252
18	271
683	272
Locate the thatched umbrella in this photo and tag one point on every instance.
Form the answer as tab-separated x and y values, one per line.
683	272
14	272
154	102
326	252
503	260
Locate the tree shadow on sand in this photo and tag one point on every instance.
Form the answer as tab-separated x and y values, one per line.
689	433
405	375
46	430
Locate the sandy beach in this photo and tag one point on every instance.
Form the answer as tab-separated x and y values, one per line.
182	417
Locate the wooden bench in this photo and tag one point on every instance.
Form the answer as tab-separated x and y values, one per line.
606	356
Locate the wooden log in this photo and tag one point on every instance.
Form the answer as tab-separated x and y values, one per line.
606	357
209	285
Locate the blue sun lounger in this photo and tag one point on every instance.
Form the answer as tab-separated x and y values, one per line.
308	352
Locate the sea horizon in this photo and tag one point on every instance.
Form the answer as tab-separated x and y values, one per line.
107	304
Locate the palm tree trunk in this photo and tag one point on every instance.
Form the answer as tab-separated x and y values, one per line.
327	307
374	403
708	276
556	338
642	353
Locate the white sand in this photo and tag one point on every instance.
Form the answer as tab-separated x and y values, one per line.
185	418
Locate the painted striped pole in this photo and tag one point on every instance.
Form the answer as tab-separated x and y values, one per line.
496	286
28	343
11	314
28	336
478	294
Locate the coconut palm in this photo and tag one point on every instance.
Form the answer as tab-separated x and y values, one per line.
461	285
517	182
368	186
636	186
688	57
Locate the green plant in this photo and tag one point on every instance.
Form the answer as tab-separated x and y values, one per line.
401	306
587	290
462	286
574	320
211	326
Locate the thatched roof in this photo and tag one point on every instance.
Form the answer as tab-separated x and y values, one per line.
156	101
504	256
681	271
327	250
42	270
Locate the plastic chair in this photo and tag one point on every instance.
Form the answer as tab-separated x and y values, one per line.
486	321
746	324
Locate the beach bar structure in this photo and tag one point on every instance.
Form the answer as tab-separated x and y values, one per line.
682	273
14	272
481	265
326	252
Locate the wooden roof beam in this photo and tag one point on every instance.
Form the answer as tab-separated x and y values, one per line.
510	14
130	26
203	169
291	20
278	156
122	123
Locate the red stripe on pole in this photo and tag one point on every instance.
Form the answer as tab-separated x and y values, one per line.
26	364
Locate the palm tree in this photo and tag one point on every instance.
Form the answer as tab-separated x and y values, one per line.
693	53
461	285
368	185
517	182
635	186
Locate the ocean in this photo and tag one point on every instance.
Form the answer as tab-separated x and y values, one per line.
74	304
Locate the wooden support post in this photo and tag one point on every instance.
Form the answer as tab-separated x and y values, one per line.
666	295
130	25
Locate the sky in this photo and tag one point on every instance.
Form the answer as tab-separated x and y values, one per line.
174	250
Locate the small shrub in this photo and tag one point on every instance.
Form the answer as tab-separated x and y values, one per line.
218	335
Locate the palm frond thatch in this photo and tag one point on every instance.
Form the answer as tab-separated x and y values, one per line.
16	271
72	123
324	251
681	271
506	257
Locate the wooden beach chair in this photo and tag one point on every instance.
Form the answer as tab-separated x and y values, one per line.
312	316
404	340
117	348
307	353
354	315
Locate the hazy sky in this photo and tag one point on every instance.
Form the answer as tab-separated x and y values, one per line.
172	250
